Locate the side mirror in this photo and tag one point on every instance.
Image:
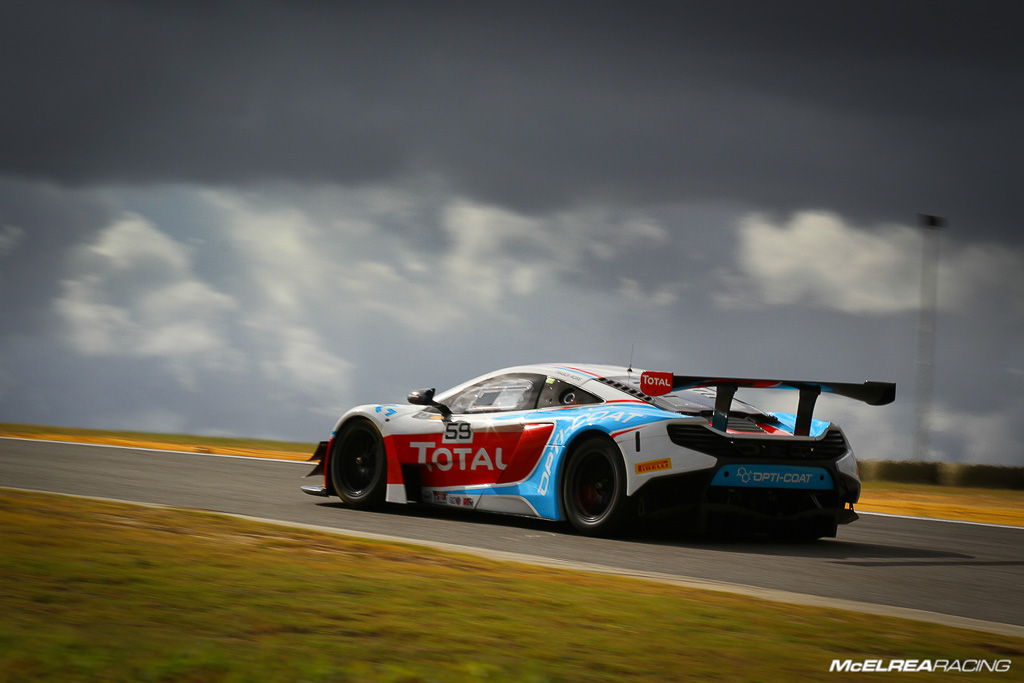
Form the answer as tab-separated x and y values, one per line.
421	397
425	397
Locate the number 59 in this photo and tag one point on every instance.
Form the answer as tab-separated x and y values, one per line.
455	432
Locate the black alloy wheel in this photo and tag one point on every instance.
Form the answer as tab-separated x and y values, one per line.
594	488
358	467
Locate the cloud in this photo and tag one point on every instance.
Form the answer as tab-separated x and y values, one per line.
320	195
299	267
10	237
304	263
482	265
817	260
630	290
273	312
296	358
529	107
40	224
135	294
965	435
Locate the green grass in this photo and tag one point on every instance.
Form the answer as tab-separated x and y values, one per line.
94	590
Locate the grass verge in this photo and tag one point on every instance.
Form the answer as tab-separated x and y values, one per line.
97	590
992	506
286	450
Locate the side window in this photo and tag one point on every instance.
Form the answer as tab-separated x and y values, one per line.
559	393
505	393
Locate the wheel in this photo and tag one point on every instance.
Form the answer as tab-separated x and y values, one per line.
594	488
357	465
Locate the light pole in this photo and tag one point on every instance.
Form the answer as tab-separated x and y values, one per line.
925	385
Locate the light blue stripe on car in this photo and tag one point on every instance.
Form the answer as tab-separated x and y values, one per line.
773	476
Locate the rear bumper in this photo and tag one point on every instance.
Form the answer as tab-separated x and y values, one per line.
705	501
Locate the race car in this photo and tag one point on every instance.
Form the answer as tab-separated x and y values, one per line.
599	446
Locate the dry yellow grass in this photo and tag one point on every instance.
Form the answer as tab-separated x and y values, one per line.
991	506
199	446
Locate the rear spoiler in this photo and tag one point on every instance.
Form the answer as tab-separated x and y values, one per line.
872	393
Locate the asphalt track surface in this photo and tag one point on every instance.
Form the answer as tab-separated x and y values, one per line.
959	569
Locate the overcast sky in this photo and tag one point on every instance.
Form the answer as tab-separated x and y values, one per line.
245	217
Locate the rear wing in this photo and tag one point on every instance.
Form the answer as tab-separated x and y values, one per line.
872	393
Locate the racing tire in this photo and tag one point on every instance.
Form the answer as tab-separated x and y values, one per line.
358	467
594	488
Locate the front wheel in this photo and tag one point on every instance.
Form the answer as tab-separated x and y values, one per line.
594	488
358	468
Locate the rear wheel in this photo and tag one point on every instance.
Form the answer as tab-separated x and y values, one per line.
594	488
358	468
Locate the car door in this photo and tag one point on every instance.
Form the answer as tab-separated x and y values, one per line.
488	439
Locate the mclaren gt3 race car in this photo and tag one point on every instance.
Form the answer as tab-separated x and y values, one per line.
600	445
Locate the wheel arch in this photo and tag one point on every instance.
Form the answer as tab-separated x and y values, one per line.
569	449
590	443
394	482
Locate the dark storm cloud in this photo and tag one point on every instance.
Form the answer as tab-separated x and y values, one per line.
39	226
877	110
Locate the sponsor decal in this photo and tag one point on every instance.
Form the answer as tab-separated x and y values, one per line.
655	383
493	456
568	426
773	476
448	498
545	478
653	466
462	459
388	412
920	665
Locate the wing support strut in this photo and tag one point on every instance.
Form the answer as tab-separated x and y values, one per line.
723	402
805	409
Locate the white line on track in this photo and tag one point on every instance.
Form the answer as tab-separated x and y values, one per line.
309	462
769	594
940	519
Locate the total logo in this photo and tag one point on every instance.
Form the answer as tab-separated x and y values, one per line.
748	475
460	458
655	383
